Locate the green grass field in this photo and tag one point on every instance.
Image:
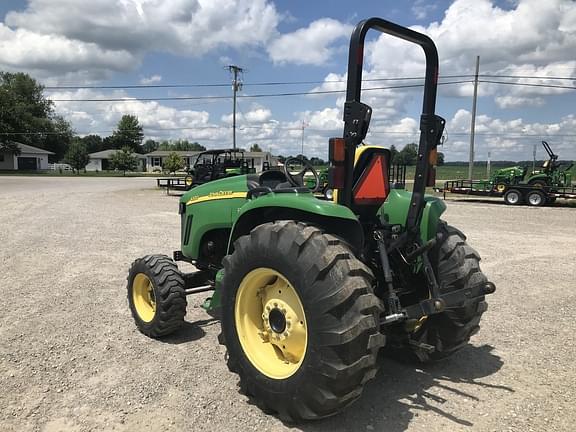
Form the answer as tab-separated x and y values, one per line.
451	172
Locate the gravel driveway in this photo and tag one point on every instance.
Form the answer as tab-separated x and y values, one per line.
71	358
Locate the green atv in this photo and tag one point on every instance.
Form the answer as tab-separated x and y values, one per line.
309	290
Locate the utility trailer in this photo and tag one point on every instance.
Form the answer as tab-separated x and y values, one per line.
534	195
175	183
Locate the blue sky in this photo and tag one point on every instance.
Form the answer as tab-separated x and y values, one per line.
128	42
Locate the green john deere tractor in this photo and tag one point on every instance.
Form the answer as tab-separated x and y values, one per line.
308	290
551	174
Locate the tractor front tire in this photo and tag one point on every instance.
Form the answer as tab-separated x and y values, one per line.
156	295
299	320
457	267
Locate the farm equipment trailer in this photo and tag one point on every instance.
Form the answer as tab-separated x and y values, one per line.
308	290
517	186
534	195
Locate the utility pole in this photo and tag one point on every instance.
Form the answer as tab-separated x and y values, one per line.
473	122
236	87
534	158
488	166
304	125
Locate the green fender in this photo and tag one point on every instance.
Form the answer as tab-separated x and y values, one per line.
395	210
304	207
542	176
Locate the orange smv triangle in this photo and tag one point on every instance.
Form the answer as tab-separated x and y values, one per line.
372	187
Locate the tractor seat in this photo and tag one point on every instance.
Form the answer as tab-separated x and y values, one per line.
275	180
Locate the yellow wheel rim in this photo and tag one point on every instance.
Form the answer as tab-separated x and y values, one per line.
500	187
143	297
188	180
271	323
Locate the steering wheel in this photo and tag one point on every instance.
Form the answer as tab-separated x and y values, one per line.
298	178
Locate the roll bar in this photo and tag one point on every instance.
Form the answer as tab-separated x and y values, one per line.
357	115
548	149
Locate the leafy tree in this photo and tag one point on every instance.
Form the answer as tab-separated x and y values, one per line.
149	146
93	143
77	156
393	153
407	155
255	148
59	137
124	160
128	133
440	158
197	147
108	143
173	163
180	145
26	116
317	161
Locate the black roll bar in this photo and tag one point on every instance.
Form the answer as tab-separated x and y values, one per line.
357	115
548	149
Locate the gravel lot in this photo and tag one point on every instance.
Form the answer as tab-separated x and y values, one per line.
71	358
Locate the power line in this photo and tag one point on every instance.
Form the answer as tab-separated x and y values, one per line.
530	85
299	128
541	77
271	83
253	96
286	83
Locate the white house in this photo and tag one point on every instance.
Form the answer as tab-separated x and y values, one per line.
100	161
155	159
30	158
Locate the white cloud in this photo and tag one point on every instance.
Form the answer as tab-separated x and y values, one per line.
114	35
311	45
534	38
151	80
508	139
256	115
518	101
24	49
158	120
421	10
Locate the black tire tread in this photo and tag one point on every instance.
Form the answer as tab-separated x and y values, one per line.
169	291
346	316
457	266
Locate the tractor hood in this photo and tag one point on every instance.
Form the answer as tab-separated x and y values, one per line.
509	171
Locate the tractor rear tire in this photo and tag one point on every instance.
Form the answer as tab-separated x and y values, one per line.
538	183
313	362
156	295
457	266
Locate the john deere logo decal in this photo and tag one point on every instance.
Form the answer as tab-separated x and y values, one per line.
216	196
